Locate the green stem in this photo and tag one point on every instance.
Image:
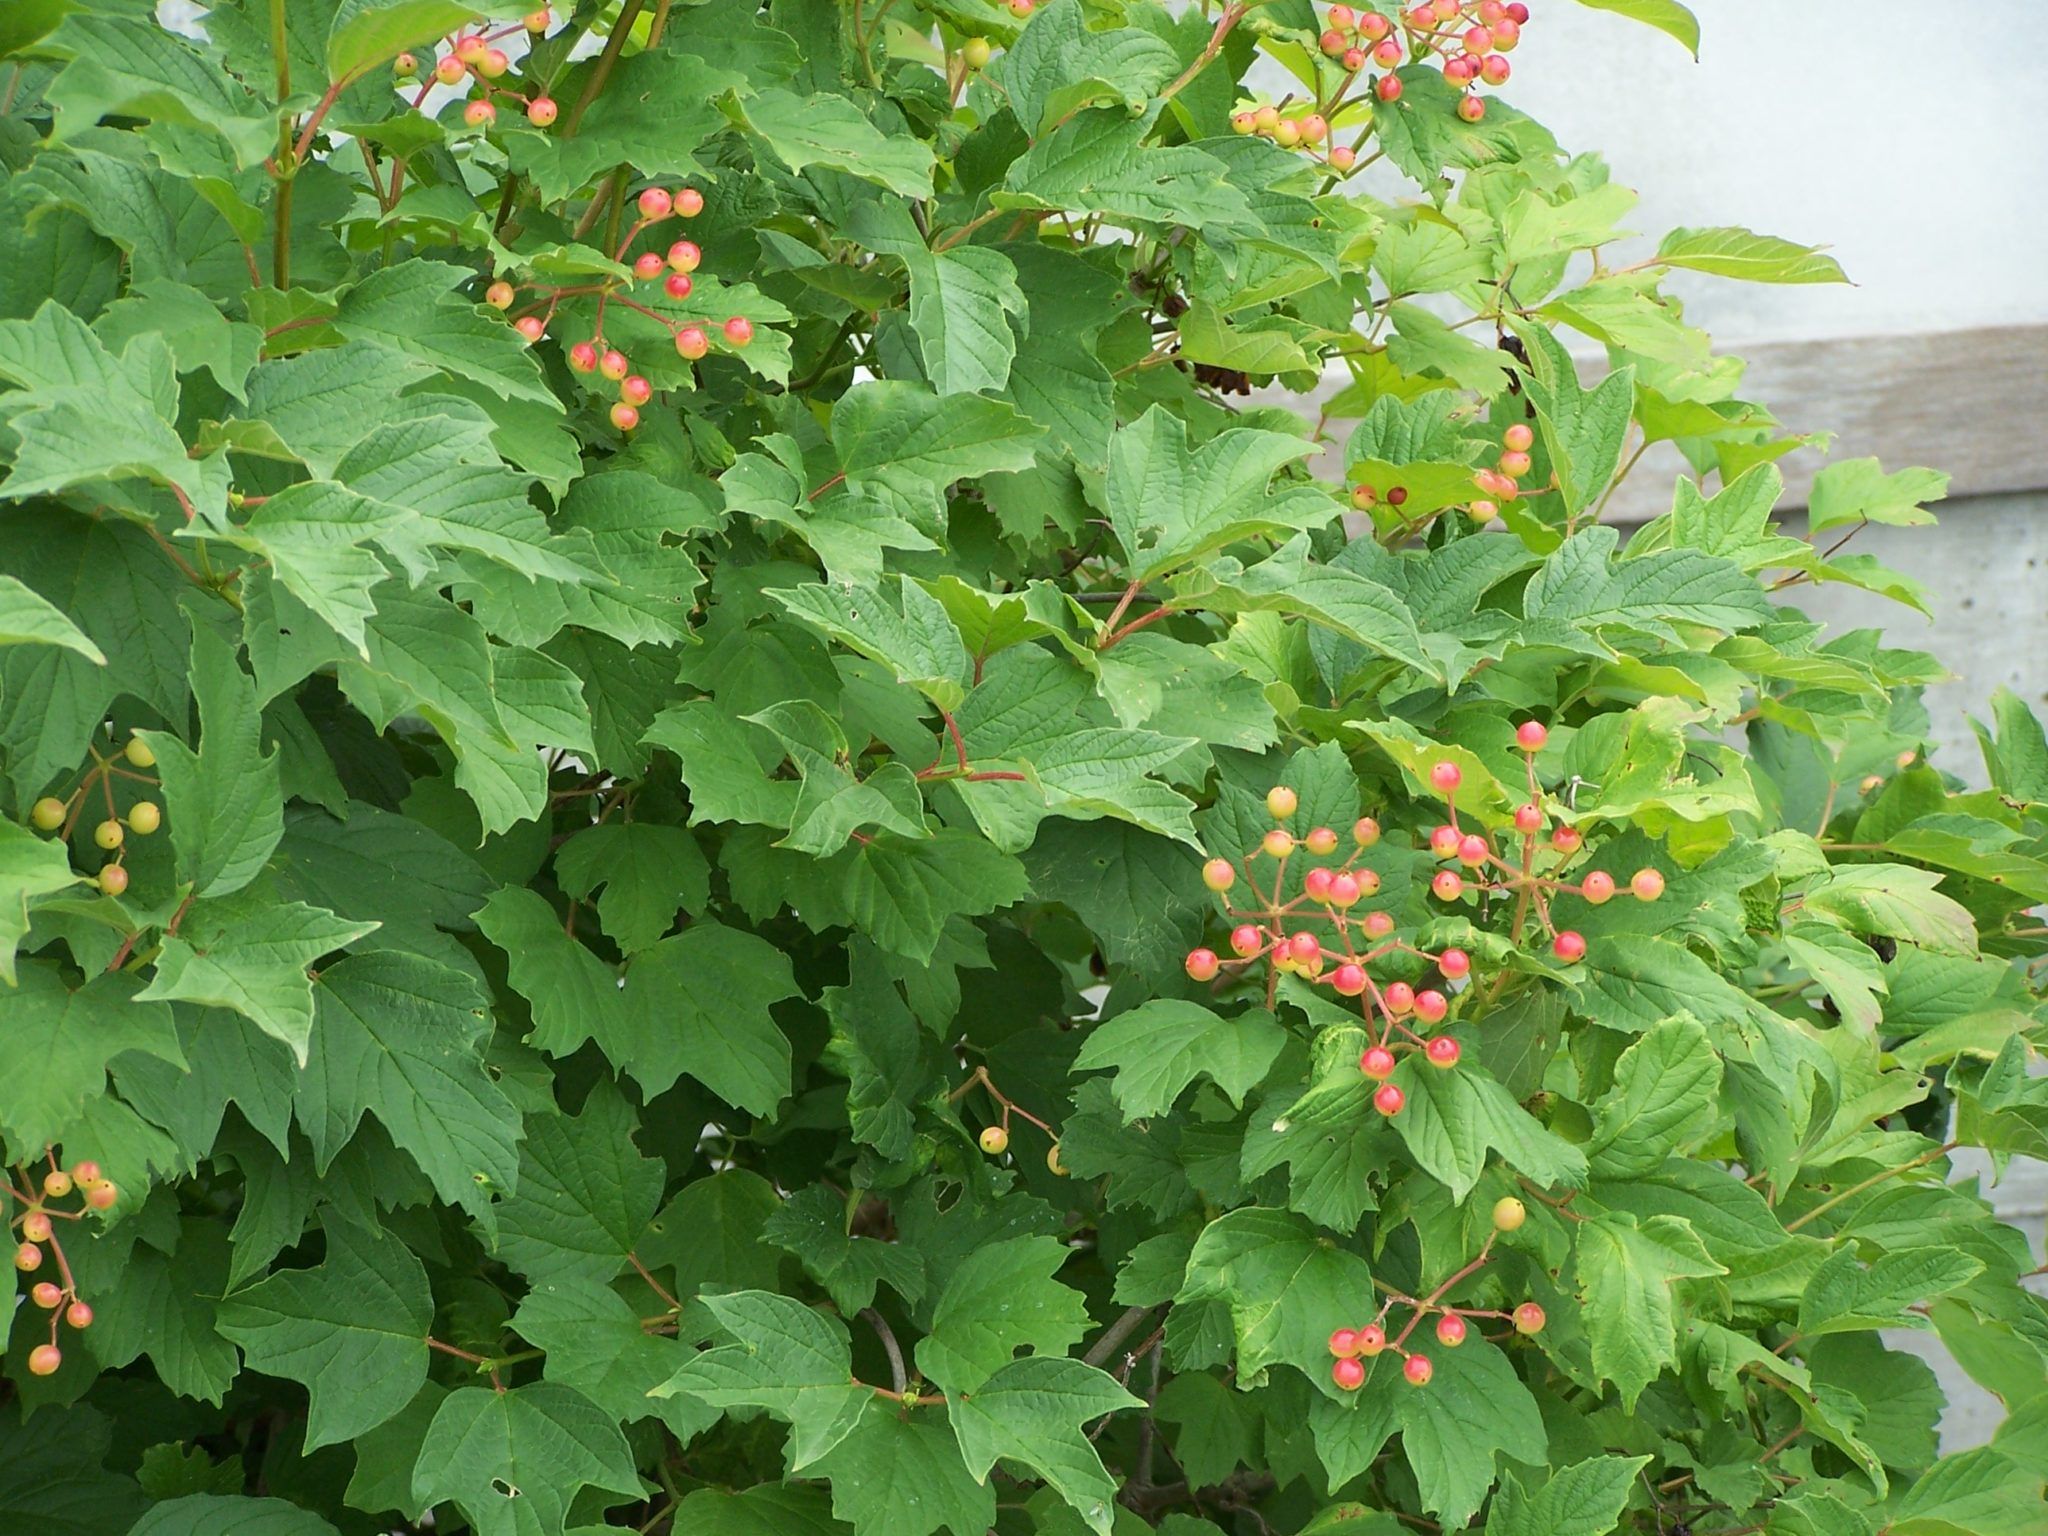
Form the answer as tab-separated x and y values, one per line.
287	166
1875	1179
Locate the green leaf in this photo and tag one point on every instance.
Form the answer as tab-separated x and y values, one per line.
1031	1412
29	619
901	894
411	307
594	1343
648	874
313	534
513	1461
1894	901
877	1044
60	1041
812	1224
213	1514
1286	1288
901	1475
829	130
2016	759
905	630
1739	253
1978	1492
1289	581
366	33
129	66
1584	1499
223	802
30	866
1858	490
250	954
962	303
401	1038
354	1330
901	442
1001	1299
1666	1087
1159	1047
1452	1118
788	1359
1583	586
585	1194
1626	1271
1844	1296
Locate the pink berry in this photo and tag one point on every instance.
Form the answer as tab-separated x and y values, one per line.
1570	947
1567	839
1528	819
691	342
739	330
1530	735
1494	69
1344	890
1447	885
532	327
635	390
1388	1099
689	202
583	357
1202	965
1647	884
1246	941
1317	883
684	256
1450	1330
542	111
47	1295
1445	776
1333	43
1343	157
1348	1373
1372	26
1518	13
1460	69
28	1258
78	1315
1341	16
1513	464
499	295
1442	1051
1444	840
1472	850
102	1194
1365	832
1378	924
1348	979
1371	1339
1454	963
1519	437
1278	843
1353	60
1219	874
479	114
1344	1343
678	285
493	64
1387	87
450	70
1321	842
1376	1062
624	417
1478	40
1529	1318
655	203
1472	109
1400	998
1418	1370
1431	1005
1304	945
469	47
86	1171
1506	33
1597	888
648	265
44	1359
613	364
35	1226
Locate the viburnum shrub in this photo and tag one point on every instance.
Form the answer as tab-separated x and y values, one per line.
714	821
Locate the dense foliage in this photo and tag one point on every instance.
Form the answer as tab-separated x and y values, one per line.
706	830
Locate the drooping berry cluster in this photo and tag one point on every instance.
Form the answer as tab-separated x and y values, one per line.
50	814
1500	482
35	1222
475	59
1470	39
1324	937
1350	1348
672	267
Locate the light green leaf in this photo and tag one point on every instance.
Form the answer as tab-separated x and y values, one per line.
905	630
1584	1499
1665	1088
1858	490
60	1041
513	1461
28	619
1157	1048
1031	1412
412	307
1285	1285
1001	1299
30	866
961	306
829	130
1894	901
366	33
1626	1270
214	1514
1754	258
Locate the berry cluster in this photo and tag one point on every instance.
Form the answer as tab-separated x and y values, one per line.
1500	483
671	267
474	58
1350	1348
1470	38
995	1139
36	1222
51	814
1324	937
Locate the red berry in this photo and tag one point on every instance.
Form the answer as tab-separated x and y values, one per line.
1442	1051
1365	832
624	417
739	330
1418	1370
613	364
1345	889
1444	840
1519	437
78	1315
113	880
1219	874
1569	947
532	327
1304	945
494	63
449	70
1494	69
1343	157
1314	128
583	357
1376	1062
1448	885
655	203
1347	1373
684	256
1349	979
1518	13
1317	883
648	265
1528	1318
1334	43
86	1172
35	1226
101	1196
1479	40
1344	1343
1461	69
1387	87
678	285
1471	109
1281	802
1372	26
1378	924
1353	61
28	1258
1647	884
1321	842
1246	941
47	1295
1389	1098
480	114
1341	16
1512	464
1450	1330
1597	888
689	202
1472	850
1202	964
1530	735
1400	998
1430	1007
1490	11
1371	1340
1397	495
542	111
1454	963
499	295
1567	839
44	1359
691	342
1278	842
1528	819
635	390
